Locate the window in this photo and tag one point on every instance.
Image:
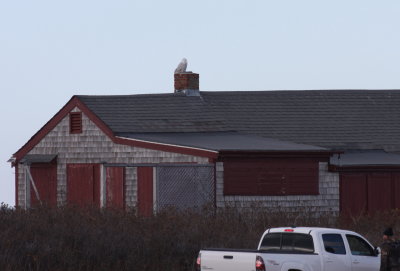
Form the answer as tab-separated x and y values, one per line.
271	242
75	122
296	242
333	243
358	246
288	242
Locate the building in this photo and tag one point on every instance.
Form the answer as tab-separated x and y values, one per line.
314	150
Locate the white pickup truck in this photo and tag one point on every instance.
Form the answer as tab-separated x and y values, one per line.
297	249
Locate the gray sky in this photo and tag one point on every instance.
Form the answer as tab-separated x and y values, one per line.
51	50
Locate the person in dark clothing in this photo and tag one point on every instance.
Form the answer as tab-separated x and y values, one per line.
389	252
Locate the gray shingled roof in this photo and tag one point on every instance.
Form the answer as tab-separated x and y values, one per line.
155	113
223	141
338	119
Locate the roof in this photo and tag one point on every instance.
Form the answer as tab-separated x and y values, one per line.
365	158
222	141
335	119
155	113
38	158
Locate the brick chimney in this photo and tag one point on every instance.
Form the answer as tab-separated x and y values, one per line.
188	83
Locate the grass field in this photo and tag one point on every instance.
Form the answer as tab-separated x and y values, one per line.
71	238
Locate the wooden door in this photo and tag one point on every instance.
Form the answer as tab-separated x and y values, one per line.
271	176
396	190
45	178
83	184
145	191
353	193
115	187
379	192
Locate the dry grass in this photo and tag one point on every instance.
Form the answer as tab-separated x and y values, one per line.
90	239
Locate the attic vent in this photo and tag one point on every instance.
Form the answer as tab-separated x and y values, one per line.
75	122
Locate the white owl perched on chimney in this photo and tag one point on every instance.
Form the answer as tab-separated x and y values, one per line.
182	66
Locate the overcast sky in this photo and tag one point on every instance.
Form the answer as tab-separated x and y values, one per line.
52	50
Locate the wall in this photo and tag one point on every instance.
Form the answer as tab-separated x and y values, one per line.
326	201
93	146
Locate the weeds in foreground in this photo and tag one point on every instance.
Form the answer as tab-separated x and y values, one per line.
70	238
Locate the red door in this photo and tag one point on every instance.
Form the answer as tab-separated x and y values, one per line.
369	192
396	190
115	183
379	192
45	178
83	184
353	193
145	190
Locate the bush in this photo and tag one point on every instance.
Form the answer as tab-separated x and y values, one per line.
70	238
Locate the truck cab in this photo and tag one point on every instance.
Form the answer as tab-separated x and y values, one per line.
297	249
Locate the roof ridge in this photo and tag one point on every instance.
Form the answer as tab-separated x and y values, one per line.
238	92
130	95
296	90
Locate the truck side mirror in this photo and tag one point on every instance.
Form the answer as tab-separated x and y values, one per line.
377	251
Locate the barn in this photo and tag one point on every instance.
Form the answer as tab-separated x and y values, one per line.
324	151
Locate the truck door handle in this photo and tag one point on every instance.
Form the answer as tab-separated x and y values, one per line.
328	260
356	262
228	257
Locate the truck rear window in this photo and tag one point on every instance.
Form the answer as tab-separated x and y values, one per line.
288	242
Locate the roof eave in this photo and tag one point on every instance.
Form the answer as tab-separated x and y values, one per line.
278	153
364	168
211	154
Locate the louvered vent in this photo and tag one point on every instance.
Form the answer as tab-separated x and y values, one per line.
75	122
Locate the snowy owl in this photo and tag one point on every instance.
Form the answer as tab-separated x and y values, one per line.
182	66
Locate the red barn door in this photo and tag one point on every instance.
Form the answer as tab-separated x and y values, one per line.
83	184
44	176
369	192
379	192
145	190
115	183
353	193
396	190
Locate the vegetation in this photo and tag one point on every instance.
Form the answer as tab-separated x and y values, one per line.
70	238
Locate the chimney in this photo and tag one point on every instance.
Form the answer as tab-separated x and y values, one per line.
186	81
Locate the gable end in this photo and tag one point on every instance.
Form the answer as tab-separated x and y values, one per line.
52	123
77	128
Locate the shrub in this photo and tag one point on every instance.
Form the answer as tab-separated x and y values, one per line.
71	238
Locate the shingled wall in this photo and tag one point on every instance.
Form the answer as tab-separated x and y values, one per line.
93	146
326	202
